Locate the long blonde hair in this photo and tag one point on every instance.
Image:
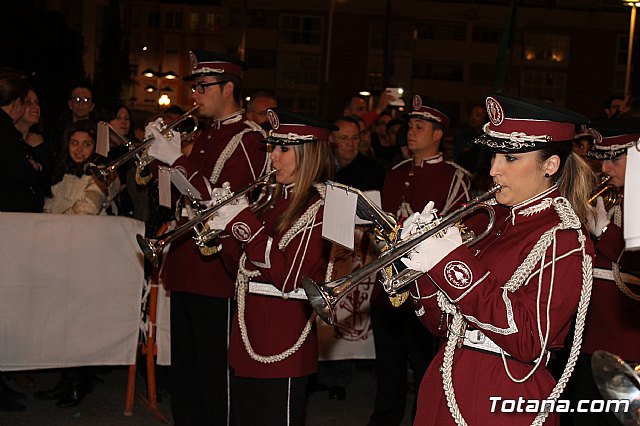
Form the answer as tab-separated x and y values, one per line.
313	164
575	179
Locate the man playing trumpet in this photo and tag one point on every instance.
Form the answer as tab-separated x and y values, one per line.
201	288
612	321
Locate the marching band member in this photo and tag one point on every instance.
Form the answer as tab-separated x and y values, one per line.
612	320
274	347
507	302
201	288
407	188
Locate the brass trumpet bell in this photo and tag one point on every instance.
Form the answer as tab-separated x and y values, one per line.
152	247
609	193
619	383
324	297
104	173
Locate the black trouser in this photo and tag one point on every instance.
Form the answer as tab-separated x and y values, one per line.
199	374
269	401
398	335
582	386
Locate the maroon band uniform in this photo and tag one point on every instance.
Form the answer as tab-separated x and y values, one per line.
507	318
507	301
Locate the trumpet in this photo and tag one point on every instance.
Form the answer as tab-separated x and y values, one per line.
152	247
609	193
103	173
324	297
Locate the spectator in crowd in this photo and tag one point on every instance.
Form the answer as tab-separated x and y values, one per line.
80	105
20	182
75	190
358	105
257	107
119	118
353	168
42	151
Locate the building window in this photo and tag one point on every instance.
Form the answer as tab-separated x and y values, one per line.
153	19
544	85
482	74
194	21
213	22
486	34
299	69
297	29
262	58
441	31
173	20
546	49
444	72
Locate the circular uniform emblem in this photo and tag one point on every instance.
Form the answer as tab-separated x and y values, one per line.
417	102
273	119
241	231
458	274
193	60
495	111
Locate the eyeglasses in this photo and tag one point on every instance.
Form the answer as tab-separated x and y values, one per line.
80	99
200	87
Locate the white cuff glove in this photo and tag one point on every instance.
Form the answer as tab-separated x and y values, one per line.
413	223
226	213
166	147
431	251
596	224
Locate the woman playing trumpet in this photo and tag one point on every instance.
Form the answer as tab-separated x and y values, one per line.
612	321
507	302
273	347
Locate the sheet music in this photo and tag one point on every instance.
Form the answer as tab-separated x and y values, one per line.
338	220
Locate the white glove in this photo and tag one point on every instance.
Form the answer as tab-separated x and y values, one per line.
598	222
432	250
226	213
164	148
413	223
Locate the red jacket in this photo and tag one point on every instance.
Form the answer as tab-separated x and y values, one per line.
185	268
612	320
474	280
274	324
417	185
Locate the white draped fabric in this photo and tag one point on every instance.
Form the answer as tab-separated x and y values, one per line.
632	199
352	335
70	290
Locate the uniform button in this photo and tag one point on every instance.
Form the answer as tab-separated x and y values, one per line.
202	151
498	233
411	173
407	184
208	136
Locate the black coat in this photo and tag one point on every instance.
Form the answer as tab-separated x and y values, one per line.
20	185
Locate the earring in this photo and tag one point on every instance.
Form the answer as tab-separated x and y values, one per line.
547	175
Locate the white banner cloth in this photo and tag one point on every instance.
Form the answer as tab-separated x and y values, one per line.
631	224
351	337
70	290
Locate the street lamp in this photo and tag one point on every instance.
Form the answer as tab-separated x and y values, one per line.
164	99
632	26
